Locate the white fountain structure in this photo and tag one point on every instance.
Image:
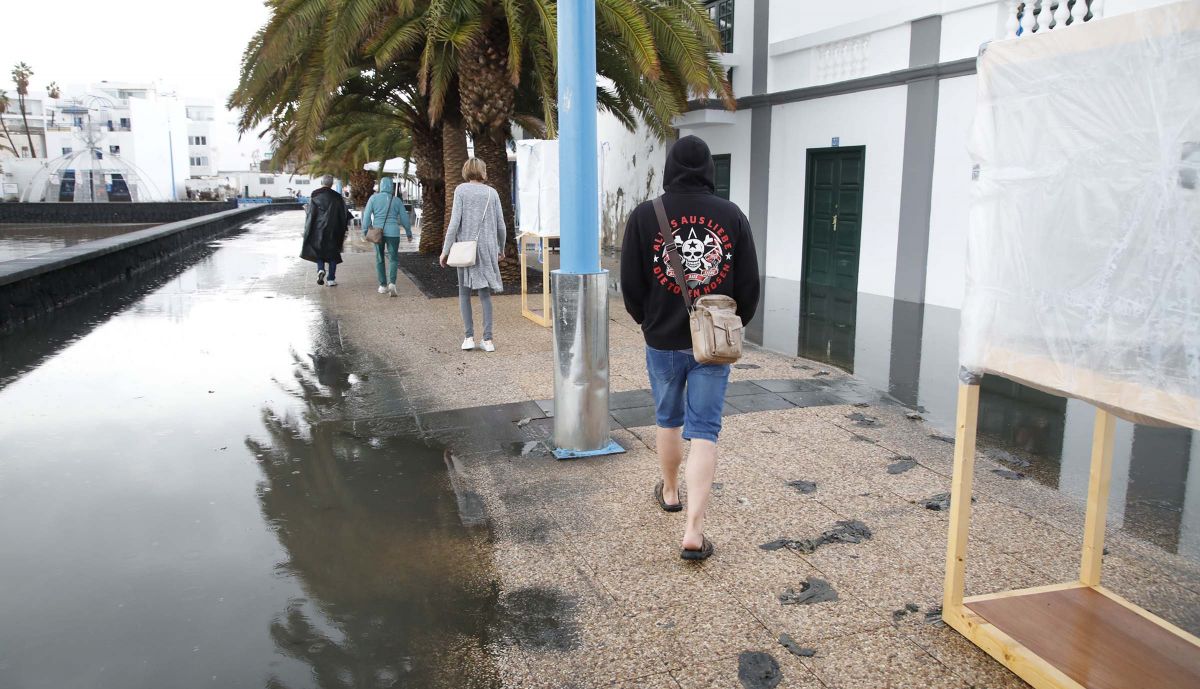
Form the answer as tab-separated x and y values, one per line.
89	173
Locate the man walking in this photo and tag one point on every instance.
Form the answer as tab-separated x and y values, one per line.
713	241
325	231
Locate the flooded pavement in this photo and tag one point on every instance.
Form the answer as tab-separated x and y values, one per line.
910	351
18	240
210	487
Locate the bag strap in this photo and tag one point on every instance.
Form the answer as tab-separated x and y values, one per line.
664	230
391	197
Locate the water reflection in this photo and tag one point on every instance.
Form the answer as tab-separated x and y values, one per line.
911	351
400	591
27	239
189	496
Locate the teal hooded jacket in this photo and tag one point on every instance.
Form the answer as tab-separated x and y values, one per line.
377	208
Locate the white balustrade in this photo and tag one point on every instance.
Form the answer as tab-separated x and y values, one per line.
1036	16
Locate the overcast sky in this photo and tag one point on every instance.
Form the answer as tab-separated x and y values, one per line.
193	47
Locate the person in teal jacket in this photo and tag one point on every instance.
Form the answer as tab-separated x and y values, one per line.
378	214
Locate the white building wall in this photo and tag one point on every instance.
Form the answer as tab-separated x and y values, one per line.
630	172
160	150
874	119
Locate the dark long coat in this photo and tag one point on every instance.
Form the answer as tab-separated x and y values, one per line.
325	227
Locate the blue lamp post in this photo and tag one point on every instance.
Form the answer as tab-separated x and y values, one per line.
581	421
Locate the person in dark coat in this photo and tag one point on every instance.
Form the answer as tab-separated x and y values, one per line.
325	231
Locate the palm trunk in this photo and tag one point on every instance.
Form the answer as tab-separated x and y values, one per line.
28	134
8	136
454	156
427	150
491	149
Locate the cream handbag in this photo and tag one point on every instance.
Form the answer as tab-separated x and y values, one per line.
713	321
464	254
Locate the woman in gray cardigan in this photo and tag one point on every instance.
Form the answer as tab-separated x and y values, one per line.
477	216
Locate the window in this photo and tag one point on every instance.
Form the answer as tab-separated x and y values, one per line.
114	150
721	163
197	140
78	121
198	161
66	150
266	180
125	123
301	181
721	12
99	155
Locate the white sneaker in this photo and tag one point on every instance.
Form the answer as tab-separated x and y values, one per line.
320	277
468	344
331	283
382	289
488	346
392	289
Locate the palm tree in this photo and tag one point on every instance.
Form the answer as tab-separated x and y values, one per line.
21	73
470	65
5	103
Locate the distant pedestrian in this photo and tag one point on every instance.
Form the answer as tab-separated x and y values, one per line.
325	231
387	212
713	241
477	217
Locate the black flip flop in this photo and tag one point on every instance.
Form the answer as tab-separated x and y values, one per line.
704	553
658	495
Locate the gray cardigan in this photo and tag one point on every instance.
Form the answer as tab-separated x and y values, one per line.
477	216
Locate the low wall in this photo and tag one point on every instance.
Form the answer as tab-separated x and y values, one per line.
36	285
94	213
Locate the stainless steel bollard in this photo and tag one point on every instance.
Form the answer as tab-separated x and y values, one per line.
581	421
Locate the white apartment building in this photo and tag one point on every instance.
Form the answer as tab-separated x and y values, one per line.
848	153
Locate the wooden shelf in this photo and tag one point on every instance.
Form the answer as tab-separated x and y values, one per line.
1090	635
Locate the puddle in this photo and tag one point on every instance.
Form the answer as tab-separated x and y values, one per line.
260	533
539	619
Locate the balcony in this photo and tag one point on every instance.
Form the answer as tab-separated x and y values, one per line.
1026	18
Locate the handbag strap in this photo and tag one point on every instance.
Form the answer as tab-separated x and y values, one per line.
391	197
664	230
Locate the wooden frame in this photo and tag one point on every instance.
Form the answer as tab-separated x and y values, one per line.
542	319
1072	657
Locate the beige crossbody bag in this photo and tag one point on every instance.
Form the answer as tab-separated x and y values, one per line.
464	254
715	326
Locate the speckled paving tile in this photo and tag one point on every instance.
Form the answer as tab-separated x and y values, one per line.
880	658
723	673
962	657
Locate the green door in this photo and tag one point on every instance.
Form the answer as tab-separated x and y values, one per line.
832	232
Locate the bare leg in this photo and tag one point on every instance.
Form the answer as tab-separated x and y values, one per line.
670	456
701	468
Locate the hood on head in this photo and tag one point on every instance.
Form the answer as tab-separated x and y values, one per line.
387	186
689	167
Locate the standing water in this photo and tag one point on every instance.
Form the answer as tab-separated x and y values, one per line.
188	497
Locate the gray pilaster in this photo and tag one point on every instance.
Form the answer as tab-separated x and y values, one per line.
916	188
760	163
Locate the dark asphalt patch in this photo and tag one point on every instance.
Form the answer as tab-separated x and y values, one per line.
804	487
1008	474
848	531
861	419
794	648
901	465
812	590
758	670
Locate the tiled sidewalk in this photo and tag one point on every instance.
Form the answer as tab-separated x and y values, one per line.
590	566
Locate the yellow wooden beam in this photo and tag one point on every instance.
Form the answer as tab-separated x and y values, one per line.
960	494
1097	501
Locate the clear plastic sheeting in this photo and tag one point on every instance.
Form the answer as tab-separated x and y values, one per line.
1083	266
537	187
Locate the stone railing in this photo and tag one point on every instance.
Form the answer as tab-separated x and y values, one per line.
1035	16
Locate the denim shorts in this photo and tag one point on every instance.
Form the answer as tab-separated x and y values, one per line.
687	393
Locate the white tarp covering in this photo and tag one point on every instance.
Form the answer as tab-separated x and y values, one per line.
1083	273
537	186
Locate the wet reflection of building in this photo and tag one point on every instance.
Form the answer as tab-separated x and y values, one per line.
911	351
399	590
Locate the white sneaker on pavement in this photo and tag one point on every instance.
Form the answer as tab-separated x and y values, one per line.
468	344
488	346
392	289
320	277
382	290
331	283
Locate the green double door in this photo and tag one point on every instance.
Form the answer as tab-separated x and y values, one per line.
832	238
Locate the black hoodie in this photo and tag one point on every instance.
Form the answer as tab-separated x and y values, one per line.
713	237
